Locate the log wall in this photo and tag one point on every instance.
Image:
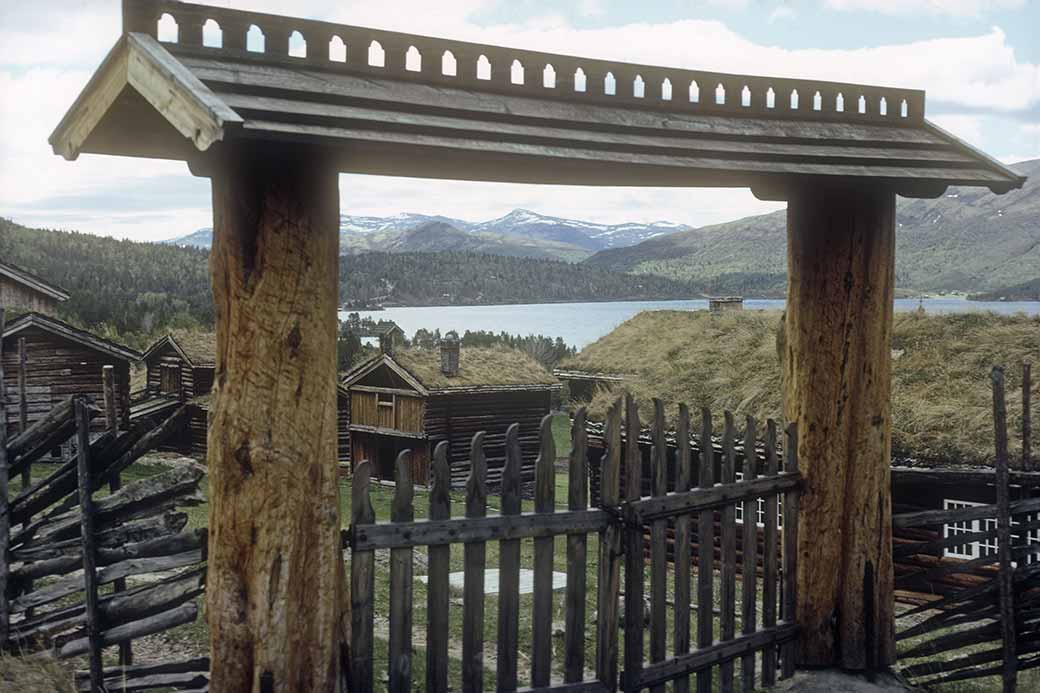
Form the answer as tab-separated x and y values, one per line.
17	296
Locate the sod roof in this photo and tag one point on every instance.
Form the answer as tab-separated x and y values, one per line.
490	367
941	393
199	347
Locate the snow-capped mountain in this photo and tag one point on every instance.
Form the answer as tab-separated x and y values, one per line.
536	234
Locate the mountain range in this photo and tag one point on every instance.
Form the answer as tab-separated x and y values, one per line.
520	233
966	240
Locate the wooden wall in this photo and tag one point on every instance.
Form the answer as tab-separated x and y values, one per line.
56	369
343	428
18	296
382	450
390	411
169	356
457	417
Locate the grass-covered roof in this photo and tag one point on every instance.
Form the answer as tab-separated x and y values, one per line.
491	367
941	393
199	347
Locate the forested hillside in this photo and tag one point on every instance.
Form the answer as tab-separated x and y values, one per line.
136	290
125	287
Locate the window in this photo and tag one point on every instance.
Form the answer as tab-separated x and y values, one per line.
760	511
988	545
385	399
967	550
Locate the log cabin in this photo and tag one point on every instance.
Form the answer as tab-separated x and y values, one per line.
415	398
24	291
180	368
60	361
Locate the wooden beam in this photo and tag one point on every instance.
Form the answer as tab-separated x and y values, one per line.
274	520
5	518
837	380
90	581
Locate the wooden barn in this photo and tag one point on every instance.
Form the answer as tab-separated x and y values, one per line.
60	360
24	291
416	398
181	368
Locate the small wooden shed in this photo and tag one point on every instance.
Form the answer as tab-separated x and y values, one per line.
22	290
60	361
415	398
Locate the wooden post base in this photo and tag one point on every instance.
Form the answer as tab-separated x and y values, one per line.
837	373
275	565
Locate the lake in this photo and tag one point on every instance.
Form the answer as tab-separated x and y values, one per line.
582	323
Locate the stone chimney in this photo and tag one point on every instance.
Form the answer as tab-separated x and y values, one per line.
450	354
386	343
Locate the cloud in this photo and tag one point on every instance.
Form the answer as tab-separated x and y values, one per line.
956	8
782	13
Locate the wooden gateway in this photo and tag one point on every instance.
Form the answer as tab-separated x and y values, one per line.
276	109
415	398
60	361
21	290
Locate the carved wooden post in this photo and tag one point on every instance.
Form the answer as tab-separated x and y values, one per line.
837	363
275	567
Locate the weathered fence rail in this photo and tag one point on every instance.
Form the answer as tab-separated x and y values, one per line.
674	520
988	622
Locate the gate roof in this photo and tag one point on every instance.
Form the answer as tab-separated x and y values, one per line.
176	100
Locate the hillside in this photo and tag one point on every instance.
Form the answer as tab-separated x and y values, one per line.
143	288
941	396
1026	291
521	233
969	239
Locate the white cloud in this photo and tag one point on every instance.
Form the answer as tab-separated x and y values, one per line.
956	8
782	13
966	127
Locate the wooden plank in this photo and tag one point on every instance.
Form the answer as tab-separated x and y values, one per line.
5	518
728	574
634	549
474	556
769	558
544	503
720	653
610	555
185	613
682	558
1005	592
362	584
658	543
705	553
720	496
577	560
749	558
400	645
494	528
23	403
941	517
90	585
108	382
437	626
790	554
509	568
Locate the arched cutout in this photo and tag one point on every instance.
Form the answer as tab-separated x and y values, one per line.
297	45
770	98
549	77
904	109
720	94
516	72
666	90
745	96
413	59
212	35
794	99
695	92
166	29
883	106
579	80
256	42
483	67
862	106
376	54
337	50
817	102
839	103
449	66
609	85
638	87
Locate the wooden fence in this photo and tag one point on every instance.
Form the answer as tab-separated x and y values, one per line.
618	527
991	625
61	542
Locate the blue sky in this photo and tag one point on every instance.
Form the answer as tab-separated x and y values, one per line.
979	61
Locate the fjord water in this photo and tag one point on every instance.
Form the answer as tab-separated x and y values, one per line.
582	323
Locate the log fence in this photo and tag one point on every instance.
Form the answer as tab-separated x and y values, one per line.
62	543
990	624
638	643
